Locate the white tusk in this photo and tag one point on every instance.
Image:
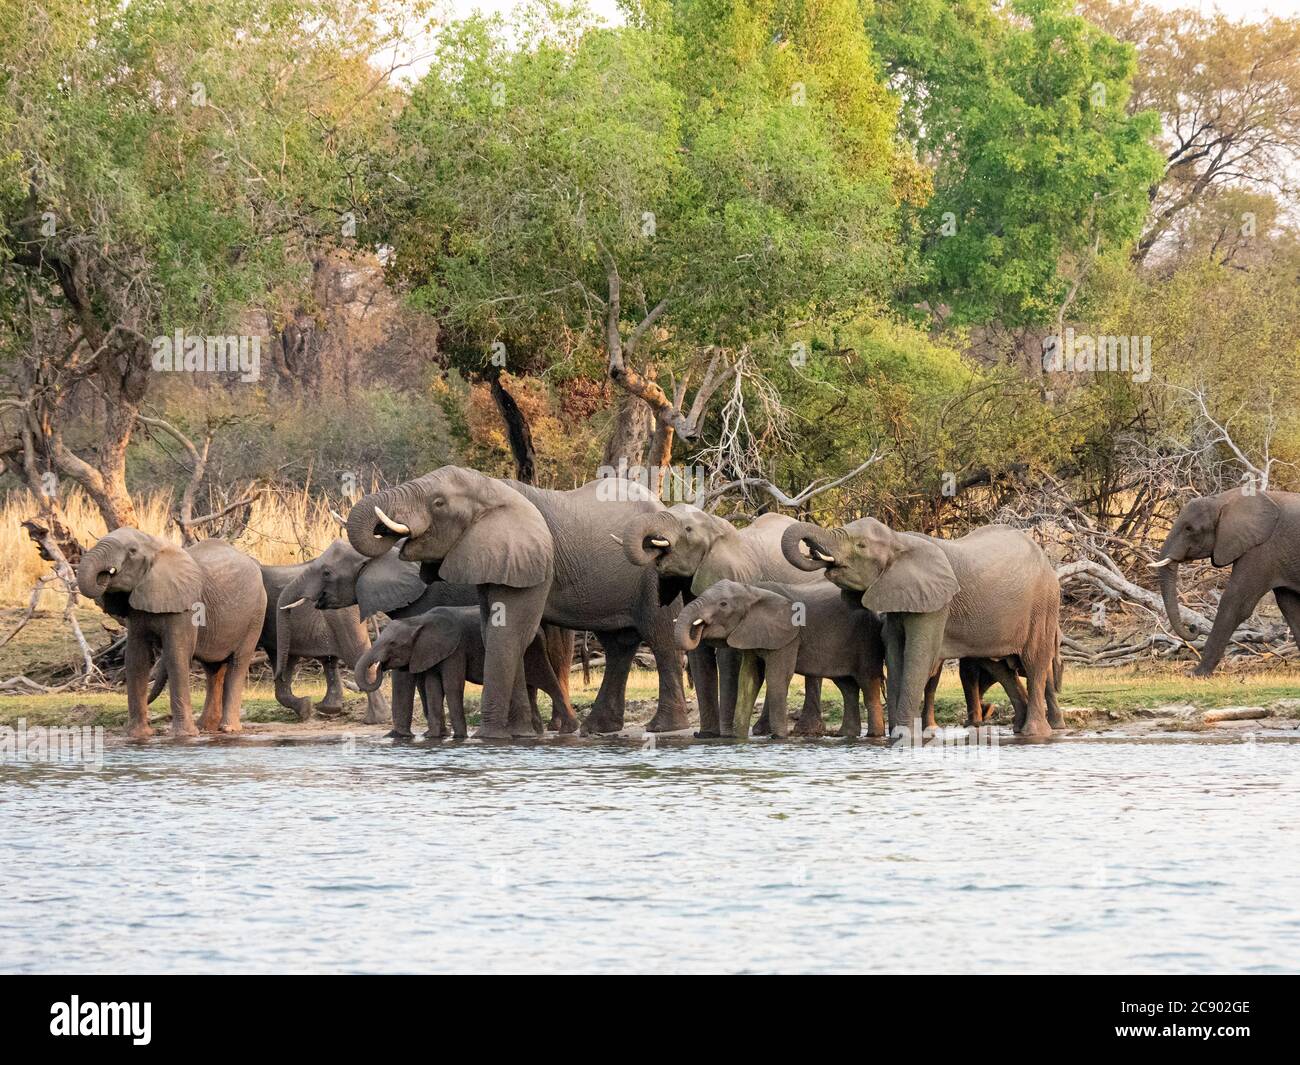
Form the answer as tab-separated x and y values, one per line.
697	621
296	602
1158	565
112	570
659	541
617	539
338	517
818	555
392	526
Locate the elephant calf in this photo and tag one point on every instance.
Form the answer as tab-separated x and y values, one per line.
444	648
808	629
203	602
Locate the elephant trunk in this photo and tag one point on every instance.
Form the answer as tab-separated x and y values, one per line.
93	570
368	665
649	537
295	596
1169	592
689	629
375	525
808	547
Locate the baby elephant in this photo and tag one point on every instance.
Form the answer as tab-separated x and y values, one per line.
444	648
809	629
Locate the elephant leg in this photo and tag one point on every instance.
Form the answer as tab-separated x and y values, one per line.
671	714
1002	672
403	704
851	724
754	663
891	635
750	679
299	704
970	672
871	687
1037	660
728	683
540	667
177	654
525	721
216	686
433	690
810	721
921	648
778	671
539	726
927	705
704	672
453	687
232	698
608	710
509	619
1289	603
333	686
139	660
1245	589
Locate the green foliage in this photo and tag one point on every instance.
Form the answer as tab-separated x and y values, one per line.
1021	112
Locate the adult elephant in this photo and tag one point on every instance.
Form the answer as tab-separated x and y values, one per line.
990	594
1258	535
691	551
534	555
203	602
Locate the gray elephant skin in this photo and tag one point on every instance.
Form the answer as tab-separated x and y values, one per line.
343	577
443	648
992	594
204	602
534	555
809	629
1258	535
691	550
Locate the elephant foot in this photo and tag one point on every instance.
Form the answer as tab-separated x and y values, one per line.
809	725
564	725
231	727
762	728
207	724
400	734
328	711
602	722
306	710
143	732
710	734
666	719
1036	728
492	732
184	731
1201	671
848	731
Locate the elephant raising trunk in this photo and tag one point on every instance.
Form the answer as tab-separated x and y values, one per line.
808	547
650	536
1169	591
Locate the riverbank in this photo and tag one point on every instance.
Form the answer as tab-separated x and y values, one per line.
1127	701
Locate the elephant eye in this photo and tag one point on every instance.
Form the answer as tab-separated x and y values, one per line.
440	502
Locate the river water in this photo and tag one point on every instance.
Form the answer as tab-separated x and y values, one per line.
1165	855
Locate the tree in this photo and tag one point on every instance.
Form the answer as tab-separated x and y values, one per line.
660	197
1228	96
1038	167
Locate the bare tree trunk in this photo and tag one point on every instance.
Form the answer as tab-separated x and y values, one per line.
630	432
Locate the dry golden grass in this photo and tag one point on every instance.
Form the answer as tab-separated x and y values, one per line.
282	528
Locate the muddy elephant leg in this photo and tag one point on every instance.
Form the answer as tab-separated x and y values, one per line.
704	672
927	706
1245	589
763	726
608	710
969	670
333	686
177	654
559	646
749	680
851	725
215	672
1002	672
871	687
232	698
299	704
810	721
1289	603
403	704
139	660
509	619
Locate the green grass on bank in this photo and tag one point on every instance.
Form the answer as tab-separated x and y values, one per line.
1116	694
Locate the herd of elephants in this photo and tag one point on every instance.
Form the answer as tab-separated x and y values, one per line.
486	580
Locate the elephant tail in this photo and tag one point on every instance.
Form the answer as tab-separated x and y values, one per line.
159	681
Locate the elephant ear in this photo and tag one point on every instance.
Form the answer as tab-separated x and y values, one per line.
173	584
917	580
767	625
435	640
509	543
387	584
1244	522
